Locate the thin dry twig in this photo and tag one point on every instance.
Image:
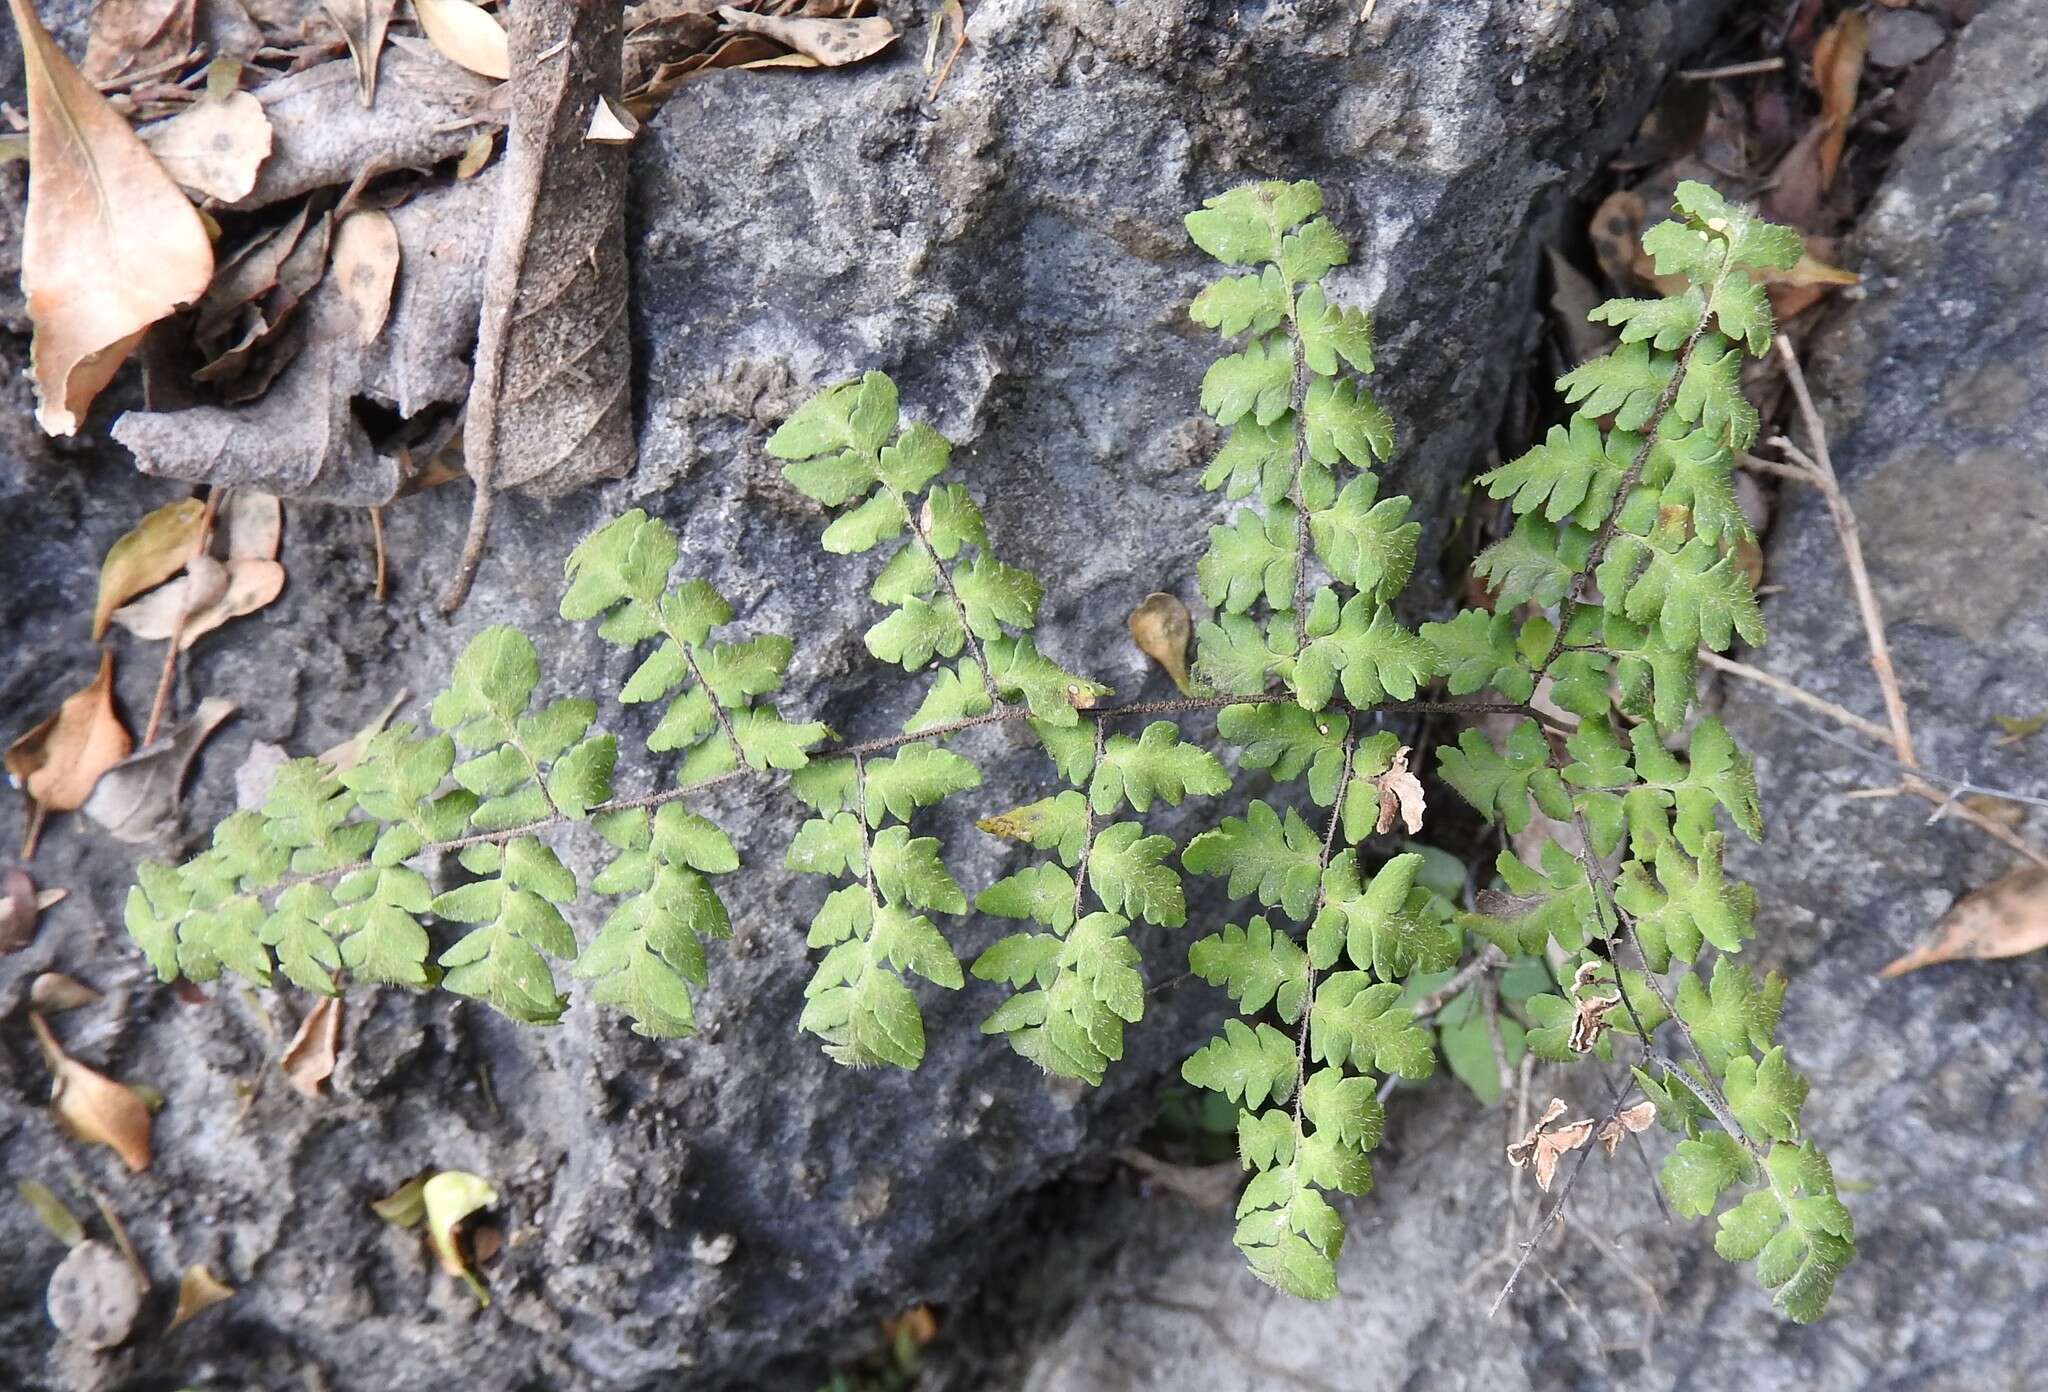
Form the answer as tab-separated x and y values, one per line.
1755	68
1799	695
170	668
377	537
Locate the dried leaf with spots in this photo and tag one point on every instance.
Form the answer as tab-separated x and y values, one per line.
1590	1021
1400	794
550	403
309	1059
198	1290
136	800
93	1107
2007	918
58	761
362	24
215	146
150	553
53	993
828	43
448	1198
366	268
1634	1119
160	613
1161	628
50	1211
94	1296
1837	72
135	36
110	244
466	35
1546	1144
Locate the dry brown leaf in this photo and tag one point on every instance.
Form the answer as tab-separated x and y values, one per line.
95	1295
198	1290
362	24
137	799
476	154
2007	918
1400	793
251	585
465	35
53	993
1572	297
828	43
93	1107
366	268
1545	1144
151	552
1160	626
1590	1021
59	760
215	146
1633	1119
309	1059
135	36
18	909
158	614
249	525
110	244
256	773
1837	72
611	126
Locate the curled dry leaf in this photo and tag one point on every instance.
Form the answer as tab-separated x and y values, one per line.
828	43
151	552
93	1107
1634	1119
1837	72
447	1199
215	146
50	1211
1546	1143
54	993
136	800
1590	1021
95	1295
2004	919
466	35
476	154
362	24
309	1059
18	911
59	760
110	244
198	1290
366	268
1400	793
134	36
1161	628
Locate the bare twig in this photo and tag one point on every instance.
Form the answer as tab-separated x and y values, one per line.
1556	1211
1436	1000
377	538
170	668
1796	694
1755	68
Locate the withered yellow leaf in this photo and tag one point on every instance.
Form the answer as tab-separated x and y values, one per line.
110	244
92	1106
198	1290
152	552
2006	918
466	35
362	24
53	993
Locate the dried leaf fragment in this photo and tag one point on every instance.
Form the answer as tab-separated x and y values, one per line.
94	1295
1160	626
830	43
609	125
362	24
93	1107
1546	1144
1837	72
2006	918
135	36
252	584
465	35
151	552
447	1199
1592	1006
309	1059
59	760
215	146
198	1290
164	610
137	799
54	993
366	268
1623	1123
110	244
1400	793
18	909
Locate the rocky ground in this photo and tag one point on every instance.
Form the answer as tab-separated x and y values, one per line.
1013	255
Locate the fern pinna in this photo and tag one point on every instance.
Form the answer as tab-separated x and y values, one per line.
1357	959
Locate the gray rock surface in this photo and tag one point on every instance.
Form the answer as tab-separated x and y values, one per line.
1013	254
1926	1090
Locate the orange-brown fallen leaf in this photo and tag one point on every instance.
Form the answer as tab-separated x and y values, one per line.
109	245
58	761
199	1289
93	1107
1837	71
152	552
2006	918
18	911
309	1059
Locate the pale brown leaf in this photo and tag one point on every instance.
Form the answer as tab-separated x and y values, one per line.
466	35
135	36
610	125
1838	71
215	146
95	1295
829	43
136	800
248	526
1632	1119
2007	918
346	755
157	615
59	760
1591	1007
53	993
362	24
1161	628
1400	793
18	909
366	268
309	1059
93	1107
150	553
198	1290
1545	1143
251	585
110	244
